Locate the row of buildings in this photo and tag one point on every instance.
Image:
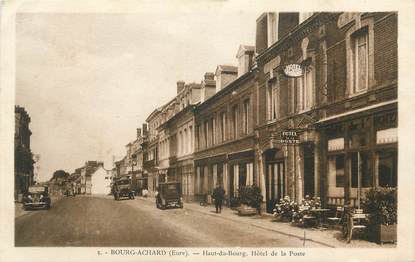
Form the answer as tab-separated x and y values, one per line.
90	179
311	109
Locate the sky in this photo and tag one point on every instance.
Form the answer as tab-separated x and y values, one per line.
88	80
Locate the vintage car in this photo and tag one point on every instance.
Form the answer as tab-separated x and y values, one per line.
169	195
122	187
36	197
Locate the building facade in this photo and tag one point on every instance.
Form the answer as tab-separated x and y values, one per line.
224	130
85	178
100	181
347	86
23	158
150	150
177	141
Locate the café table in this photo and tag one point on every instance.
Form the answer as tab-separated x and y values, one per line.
320	213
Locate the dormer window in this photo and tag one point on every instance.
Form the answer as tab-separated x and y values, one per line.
245	57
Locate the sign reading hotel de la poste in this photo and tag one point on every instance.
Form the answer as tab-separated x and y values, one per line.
289	137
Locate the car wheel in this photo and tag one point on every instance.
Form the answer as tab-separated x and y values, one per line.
163	207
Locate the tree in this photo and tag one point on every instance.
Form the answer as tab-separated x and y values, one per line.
59	174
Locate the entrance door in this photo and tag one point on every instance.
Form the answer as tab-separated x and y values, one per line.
274	182
309	170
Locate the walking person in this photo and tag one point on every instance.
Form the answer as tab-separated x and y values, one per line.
218	195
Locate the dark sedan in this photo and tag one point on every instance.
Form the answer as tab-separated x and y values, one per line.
36	197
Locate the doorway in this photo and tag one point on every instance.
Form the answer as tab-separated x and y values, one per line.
275	184
309	169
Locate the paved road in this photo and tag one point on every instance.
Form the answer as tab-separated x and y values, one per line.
99	221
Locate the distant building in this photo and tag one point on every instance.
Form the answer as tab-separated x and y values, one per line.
86	173
100	181
23	162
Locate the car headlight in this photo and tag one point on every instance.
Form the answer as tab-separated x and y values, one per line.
29	196
41	196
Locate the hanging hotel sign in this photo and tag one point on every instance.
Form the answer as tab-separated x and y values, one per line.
293	70
289	137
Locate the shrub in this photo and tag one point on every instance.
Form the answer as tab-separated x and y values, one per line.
250	196
304	208
381	205
285	208
234	202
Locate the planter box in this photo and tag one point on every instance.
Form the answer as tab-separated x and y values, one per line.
382	233
386	233
246	211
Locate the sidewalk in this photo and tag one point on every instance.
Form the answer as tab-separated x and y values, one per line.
328	237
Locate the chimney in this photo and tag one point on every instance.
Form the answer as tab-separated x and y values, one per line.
208	86
245	58
225	74
180	86
287	22
138	132
270	27
145	130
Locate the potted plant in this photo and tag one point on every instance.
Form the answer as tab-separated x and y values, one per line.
234	203
302	212
251	199
381	206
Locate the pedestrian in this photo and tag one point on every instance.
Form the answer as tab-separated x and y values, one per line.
218	195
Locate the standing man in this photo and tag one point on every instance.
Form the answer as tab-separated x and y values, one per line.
218	195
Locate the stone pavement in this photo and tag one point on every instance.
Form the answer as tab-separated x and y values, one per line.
327	237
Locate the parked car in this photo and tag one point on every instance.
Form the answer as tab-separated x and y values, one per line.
36	197
169	195
122	187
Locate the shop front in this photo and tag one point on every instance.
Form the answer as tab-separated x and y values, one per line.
210	172
241	171
184	171
361	152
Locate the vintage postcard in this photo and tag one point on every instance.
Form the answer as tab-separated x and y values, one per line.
206	130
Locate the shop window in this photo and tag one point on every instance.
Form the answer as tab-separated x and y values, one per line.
220	174
362	159
387	168
339	171
242	175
